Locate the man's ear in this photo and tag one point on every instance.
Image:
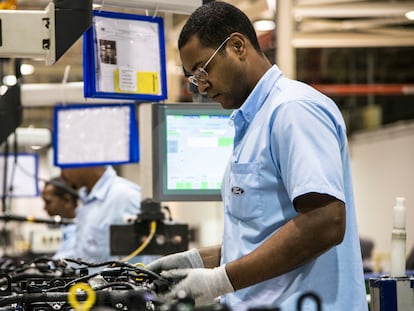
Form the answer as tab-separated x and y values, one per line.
238	41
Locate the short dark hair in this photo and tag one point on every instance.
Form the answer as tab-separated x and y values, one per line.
61	188
213	22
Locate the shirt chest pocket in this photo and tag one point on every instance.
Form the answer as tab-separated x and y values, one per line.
245	202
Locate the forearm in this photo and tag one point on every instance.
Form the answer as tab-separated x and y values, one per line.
211	256
300	240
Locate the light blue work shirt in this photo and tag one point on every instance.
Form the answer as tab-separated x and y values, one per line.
67	242
290	140
111	201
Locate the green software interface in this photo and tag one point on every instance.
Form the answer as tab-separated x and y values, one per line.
198	150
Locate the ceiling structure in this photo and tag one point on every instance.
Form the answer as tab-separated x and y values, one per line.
303	23
350	23
315	23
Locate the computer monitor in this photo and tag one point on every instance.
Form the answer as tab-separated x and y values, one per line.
192	143
95	134
21	177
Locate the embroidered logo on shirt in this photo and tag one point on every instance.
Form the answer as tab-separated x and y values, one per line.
237	190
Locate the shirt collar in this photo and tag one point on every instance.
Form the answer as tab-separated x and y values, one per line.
260	92
243	116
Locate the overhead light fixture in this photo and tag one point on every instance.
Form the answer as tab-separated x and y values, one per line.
410	15
34	138
3	89
10	80
52	30
264	25
26	69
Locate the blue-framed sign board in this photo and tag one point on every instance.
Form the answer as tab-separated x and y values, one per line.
124	57
95	134
22	175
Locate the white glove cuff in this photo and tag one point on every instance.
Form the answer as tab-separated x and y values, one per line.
223	284
195	259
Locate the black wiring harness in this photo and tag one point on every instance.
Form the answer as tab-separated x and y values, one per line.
45	284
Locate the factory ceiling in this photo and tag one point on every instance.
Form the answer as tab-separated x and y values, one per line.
316	24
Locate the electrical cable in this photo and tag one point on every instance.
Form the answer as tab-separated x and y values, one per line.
4	195
32	219
5	179
10	189
153	229
102	297
111	264
43	281
116	285
74	281
169	212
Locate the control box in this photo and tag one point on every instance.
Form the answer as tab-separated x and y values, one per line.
168	238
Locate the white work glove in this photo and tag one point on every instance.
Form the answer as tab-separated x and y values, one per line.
182	260
203	285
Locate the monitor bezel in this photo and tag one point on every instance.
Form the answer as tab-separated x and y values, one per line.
159	152
91	112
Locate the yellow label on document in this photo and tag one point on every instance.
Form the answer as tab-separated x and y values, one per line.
142	82
147	82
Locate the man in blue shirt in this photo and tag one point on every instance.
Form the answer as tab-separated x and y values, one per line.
106	199
289	216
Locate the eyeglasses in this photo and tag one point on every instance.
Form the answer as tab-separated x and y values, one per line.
200	75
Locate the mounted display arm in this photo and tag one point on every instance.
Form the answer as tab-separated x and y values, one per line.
44	34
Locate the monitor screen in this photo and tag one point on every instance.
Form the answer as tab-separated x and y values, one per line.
95	134
21	176
192	143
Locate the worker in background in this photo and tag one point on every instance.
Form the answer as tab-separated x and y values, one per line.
61	200
289	216
106	199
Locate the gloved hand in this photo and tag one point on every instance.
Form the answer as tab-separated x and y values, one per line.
203	285
182	260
